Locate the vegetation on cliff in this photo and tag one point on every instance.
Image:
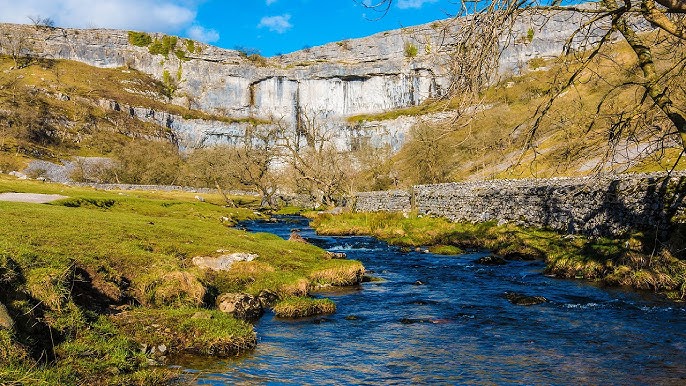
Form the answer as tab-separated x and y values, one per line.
638	261
490	138
101	283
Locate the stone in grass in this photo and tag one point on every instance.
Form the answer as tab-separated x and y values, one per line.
241	306
524	300
295	236
223	262
336	255
491	260
6	321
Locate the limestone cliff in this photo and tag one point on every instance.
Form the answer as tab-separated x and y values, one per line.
334	81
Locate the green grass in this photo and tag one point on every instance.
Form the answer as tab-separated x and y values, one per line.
633	261
67	261
300	307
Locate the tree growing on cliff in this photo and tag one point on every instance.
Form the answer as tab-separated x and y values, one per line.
652	112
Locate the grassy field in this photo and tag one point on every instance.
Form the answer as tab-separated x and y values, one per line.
634	262
91	278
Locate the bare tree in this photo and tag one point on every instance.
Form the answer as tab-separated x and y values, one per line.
653	108
248	164
254	163
319	168
18	46
39	21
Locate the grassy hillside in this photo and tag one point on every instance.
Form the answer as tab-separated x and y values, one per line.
575	138
52	109
91	278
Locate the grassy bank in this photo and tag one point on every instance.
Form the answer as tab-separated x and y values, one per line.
97	280
635	261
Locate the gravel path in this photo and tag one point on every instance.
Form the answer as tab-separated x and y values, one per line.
30	197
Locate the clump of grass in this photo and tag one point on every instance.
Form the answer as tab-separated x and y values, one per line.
343	275
300	307
189	330
179	289
410	50
163	46
445	250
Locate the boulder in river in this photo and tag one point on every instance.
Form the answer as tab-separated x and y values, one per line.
524	300
240	305
491	260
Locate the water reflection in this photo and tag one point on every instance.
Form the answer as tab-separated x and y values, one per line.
458	328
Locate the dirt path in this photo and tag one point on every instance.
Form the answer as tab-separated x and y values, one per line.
30	197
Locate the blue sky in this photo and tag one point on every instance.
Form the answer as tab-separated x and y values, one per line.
269	26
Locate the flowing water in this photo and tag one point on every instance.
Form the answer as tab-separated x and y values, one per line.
444	319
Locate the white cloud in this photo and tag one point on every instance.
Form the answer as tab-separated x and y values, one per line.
147	15
278	24
270	2
404	4
202	34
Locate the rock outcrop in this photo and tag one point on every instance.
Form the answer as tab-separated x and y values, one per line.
333	81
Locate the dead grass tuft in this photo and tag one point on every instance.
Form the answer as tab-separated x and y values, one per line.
301	307
178	288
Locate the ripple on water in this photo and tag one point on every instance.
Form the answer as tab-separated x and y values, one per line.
459	329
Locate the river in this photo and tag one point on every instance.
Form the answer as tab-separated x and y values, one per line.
445	320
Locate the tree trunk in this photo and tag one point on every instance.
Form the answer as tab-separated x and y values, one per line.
658	94
227	199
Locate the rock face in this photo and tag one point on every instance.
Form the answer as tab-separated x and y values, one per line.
241	306
334	81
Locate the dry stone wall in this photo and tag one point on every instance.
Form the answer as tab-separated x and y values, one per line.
384	201
594	206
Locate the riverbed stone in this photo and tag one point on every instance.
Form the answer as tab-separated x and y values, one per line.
524	300
491	260
240	305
